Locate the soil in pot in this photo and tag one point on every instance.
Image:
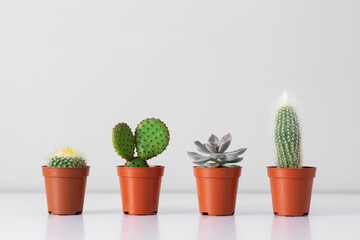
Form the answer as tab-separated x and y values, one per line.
65	189
217	190
291	190
140	189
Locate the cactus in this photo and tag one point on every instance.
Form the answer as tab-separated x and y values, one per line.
123	140
216	155
287	137
136	162
67	157
151	139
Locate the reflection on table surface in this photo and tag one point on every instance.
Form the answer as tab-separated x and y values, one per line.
216	227
65	227
140	227
294	228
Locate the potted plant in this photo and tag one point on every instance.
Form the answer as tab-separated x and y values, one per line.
217	176
65	182
290	182
139	182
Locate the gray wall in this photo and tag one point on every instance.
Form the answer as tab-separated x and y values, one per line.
70	70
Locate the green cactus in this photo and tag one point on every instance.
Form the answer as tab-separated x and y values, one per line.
136	162
123	141
67	157
287	137
151	139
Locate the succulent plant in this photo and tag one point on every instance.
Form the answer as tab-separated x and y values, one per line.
67	157
151	139
216	157
287	136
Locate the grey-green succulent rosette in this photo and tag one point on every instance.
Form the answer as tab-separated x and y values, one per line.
214	153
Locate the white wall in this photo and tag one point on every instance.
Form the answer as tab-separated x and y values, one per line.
70	70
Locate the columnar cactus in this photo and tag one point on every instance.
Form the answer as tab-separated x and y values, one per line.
151	139
67	157
287	137
216	155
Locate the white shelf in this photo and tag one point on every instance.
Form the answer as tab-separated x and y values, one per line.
332	216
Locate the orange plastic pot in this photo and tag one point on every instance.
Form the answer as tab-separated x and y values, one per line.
65	189
140	189
217	190
291	190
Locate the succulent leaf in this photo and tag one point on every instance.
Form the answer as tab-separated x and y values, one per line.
201	147
230	166
224	143
197	156
213	140
200	162
210	147
232	155
236	160
212	164
217	155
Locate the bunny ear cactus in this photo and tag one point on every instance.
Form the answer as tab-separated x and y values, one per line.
151	139
215	155
67	157
123	141
287	137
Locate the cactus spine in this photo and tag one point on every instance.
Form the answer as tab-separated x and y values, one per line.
151	139
67	157
287	137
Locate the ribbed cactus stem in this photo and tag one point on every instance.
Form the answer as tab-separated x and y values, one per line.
287	137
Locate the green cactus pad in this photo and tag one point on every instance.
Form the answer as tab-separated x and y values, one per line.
152	137
58	161
287	138
123	141
136	162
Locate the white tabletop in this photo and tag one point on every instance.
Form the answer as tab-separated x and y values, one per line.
332	216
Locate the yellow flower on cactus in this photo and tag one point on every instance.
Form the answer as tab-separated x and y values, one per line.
67	157
67	151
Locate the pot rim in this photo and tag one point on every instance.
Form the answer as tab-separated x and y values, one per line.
291	173
150	166
217	172
217	168
45	166
140	172
65	172
290	168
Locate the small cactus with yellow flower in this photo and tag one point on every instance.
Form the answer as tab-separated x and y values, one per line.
67	157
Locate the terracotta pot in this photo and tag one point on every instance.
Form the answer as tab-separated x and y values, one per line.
140	189
217	189
291	190
65	189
